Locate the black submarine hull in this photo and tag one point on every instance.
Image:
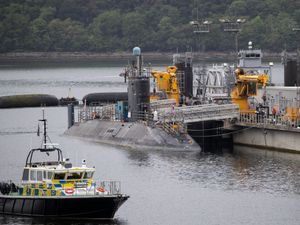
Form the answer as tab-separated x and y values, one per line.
71	207
105	97
131	135
28	100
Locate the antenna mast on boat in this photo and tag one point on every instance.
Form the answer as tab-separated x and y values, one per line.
45	129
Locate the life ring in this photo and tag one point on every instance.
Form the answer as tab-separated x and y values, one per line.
101	189
69	191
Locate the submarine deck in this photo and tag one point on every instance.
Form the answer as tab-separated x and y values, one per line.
131	135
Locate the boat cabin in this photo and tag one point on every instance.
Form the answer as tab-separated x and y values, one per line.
55	178
46	174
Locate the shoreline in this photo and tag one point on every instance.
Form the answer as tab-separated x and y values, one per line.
92	56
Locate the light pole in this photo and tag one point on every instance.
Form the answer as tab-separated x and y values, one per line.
201	27
297	29
234	27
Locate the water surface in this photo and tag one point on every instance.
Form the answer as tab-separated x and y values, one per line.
164	187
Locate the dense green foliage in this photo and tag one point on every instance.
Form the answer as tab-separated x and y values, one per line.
154	25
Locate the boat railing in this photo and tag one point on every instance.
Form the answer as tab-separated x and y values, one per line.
101	187
111	187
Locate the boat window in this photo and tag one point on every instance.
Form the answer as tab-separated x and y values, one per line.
75	175
49	175
59	176
25	174
88	175
32	175
45	173
39	175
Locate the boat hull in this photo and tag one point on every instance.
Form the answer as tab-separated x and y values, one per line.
87	207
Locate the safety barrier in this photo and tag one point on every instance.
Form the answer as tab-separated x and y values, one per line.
262	120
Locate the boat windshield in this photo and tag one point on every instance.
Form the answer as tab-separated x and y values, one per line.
59	176
25	175
88	174
39	176
49	175
74	176
33	175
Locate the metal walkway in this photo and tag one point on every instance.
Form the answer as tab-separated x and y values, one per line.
198	113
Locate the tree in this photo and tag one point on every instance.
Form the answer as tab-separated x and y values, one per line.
14	32
67	35
134	30
253	30
106	31
39	37
238	8
47	13
286	37
154	25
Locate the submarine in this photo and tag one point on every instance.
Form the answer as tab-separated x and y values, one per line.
133	122
28	100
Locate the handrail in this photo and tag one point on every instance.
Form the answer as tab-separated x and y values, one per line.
267	120
30	155
106	187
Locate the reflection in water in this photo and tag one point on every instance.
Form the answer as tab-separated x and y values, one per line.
7	219
242	167
140	158
246	172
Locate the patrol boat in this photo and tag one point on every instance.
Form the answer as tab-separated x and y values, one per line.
57	189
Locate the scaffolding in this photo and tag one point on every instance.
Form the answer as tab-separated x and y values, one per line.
106	112
213	82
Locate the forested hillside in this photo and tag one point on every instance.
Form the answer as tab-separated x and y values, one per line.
154	25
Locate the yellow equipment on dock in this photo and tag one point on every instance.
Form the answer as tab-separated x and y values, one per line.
246	85
166	81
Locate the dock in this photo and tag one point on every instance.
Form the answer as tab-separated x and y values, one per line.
272	132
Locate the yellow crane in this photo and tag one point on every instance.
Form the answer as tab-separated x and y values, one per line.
246	85
166	81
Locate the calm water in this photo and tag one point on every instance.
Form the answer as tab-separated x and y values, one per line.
164	187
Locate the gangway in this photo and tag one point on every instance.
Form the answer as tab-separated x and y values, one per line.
198	113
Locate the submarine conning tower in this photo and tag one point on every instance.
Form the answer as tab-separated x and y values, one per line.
138	88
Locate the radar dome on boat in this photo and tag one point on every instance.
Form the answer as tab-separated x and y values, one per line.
136	51
250	44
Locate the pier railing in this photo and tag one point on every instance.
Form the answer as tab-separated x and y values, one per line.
268	121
